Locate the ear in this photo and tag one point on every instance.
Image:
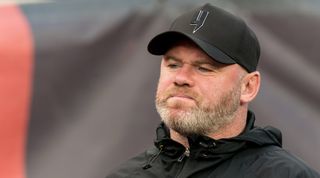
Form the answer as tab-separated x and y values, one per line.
250	87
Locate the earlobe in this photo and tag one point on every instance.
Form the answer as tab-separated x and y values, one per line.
250	87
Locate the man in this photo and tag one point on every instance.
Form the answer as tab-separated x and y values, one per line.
208	77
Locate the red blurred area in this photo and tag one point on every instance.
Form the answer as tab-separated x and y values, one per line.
15	84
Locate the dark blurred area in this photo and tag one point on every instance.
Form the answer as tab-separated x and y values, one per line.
94	83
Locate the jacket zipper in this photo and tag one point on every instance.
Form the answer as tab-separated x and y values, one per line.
180	160
185	154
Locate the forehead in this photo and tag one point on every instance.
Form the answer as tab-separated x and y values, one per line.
187	50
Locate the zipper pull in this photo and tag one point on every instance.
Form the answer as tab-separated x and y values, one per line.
153	158
185	154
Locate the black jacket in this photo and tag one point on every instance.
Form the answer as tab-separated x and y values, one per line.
255	153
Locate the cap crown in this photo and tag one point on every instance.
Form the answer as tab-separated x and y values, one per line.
223	36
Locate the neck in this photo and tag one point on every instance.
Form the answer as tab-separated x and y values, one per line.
231	130
179	138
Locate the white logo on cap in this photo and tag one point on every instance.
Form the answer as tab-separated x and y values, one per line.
199	19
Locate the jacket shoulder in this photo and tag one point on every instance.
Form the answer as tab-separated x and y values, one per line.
274	161
133	166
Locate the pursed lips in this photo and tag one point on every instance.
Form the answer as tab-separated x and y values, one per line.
183	96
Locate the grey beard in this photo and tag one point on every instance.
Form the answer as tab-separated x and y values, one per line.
201	120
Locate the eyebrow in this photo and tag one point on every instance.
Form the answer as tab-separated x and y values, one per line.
198	62
204	62
170	57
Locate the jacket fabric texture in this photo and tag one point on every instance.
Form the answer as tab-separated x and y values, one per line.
256	153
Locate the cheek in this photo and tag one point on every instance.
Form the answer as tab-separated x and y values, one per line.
164	83
209	91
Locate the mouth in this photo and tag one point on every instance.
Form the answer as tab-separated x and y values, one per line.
181	97
180	100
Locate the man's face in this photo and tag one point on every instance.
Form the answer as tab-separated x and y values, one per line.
196	95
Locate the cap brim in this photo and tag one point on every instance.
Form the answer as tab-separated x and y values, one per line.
161	43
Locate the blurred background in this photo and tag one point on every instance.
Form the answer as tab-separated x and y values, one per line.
77	84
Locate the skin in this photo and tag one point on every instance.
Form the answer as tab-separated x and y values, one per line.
190	78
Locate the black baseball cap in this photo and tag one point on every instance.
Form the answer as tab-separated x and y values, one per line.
223	36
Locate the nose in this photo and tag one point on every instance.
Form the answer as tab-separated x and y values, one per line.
184	77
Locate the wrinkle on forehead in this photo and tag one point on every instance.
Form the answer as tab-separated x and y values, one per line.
187	46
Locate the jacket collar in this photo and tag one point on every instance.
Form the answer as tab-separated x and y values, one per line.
203	147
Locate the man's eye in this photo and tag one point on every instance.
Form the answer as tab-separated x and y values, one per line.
204	69
173	66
